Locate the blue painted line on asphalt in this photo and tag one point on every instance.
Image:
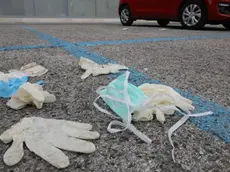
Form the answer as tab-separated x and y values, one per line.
116	42
218	123
71	48
25	47
131	41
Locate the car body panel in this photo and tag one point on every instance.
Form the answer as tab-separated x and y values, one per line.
169	9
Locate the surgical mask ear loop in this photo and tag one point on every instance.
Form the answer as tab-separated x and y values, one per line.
132	129
180	123
118	123
109	97
126	101
129	116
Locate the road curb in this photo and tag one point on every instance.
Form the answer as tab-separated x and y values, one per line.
58	20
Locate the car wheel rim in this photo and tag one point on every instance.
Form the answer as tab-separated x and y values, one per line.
124	15
191	15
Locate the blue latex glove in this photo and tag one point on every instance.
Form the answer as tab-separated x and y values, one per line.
7	89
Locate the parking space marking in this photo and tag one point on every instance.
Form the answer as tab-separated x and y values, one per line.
132	41
117	42
219	123
25	47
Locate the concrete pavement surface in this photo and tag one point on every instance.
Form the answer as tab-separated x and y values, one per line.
195	62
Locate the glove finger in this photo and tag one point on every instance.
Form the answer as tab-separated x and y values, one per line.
71	143
15	153
185	100
77	125
184	106
17	128
146	115
47	151
86	74
49	98
16	104
82	134
64	123
160	116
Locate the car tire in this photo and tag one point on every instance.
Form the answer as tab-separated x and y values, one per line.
125	16
193	14
227	26
163	23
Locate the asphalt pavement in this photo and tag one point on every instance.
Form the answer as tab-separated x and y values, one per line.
197	63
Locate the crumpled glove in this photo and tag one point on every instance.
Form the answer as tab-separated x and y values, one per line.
45	136
10	82
95	69
32	70
14	74
29	93
166	101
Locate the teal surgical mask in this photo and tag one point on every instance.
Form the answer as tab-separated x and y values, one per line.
123	98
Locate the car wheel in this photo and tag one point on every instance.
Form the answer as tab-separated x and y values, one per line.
163	23
193	14
125	16
227	26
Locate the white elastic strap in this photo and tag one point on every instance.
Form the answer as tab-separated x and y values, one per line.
127	100
107	87
131	128
180	123
200	114
126	95
174	128
103	110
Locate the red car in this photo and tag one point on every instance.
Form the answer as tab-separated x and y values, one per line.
193	14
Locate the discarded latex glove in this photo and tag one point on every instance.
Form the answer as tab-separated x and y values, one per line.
44	137
29	93
32	70
166	100
95	69
9	85
14	74
123	98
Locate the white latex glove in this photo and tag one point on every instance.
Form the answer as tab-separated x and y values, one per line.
32	69
45	136
180	101
95	69
30	94
13	74
147	115
166	103
4	77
